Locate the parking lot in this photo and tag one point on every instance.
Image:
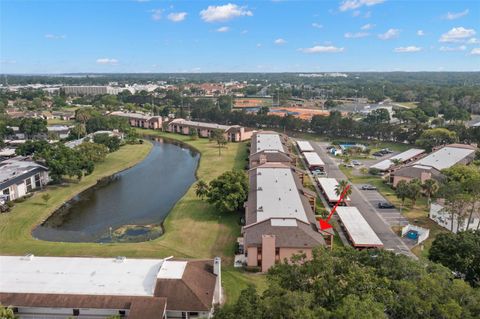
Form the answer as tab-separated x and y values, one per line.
381	220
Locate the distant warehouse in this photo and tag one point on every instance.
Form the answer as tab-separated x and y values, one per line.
360	233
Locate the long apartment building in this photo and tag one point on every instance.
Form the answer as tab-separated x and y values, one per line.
279	213
141	120
270	147
80	287
233	133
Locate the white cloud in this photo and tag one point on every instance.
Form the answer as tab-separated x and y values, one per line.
453	49
458	34
223	29
244	32
355	4
317	25
356	35
367	26
259	45
456	15
107	61
473	41
321	49
280	41
390	34
177	16
475	51
55	36
407	49
420	33
156	14
224	13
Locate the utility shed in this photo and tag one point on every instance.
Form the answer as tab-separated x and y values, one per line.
304	146
359	231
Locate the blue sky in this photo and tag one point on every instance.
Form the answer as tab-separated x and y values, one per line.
236	36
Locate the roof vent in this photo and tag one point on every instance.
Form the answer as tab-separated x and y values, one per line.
260	209
28	257
279	199
260	188
120	259
259	173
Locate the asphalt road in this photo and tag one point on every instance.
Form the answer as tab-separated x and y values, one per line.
379	220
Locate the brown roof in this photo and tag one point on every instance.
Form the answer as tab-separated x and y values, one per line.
194	292
301	236
140	307
416	170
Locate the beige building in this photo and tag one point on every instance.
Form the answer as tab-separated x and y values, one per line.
141	120
279	217
233	133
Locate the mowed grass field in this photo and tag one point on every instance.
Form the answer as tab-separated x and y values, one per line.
193	229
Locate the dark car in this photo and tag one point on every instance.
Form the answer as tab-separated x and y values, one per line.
385	205
369	188
378	154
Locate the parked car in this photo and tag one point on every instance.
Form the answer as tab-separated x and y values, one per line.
378	154
385	205
369	187
356	163
349	165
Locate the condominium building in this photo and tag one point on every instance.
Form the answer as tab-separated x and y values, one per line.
141	120
233	133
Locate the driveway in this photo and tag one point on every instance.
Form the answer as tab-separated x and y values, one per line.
366	202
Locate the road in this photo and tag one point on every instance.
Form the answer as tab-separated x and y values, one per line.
378	220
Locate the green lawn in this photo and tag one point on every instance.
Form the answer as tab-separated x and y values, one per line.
193	229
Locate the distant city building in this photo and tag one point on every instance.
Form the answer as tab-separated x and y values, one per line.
82	287
85	90
20	175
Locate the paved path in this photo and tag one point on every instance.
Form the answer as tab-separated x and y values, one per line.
375	218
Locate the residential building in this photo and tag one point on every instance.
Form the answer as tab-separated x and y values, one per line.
141	120
62	130
20	175
440	214
406	157
280	219
270	147
431	165
84	287
233	133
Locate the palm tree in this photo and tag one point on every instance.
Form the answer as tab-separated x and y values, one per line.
341	187
401	191
201	189
396	161
430	188
7	313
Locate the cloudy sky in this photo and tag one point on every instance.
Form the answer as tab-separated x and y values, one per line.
46	36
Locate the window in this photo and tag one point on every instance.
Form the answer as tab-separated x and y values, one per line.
37	181
6	191
121	313
28	182
76	312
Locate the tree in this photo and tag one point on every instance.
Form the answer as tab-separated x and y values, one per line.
32	126
78	131
402	191
414	190
460	253
342	185
46	198
92	151
201	189
229	191
111	142
7	313
435	137
219	137
430	188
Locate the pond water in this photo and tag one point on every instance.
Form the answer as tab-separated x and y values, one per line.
141	195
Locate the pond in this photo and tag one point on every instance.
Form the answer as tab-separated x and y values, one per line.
130	205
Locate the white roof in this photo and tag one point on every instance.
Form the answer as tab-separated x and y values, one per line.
201	124
445	157
313	159
403	157
277	195
305	146
328	185
89	276
7	152
172	269
268	141
360	232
